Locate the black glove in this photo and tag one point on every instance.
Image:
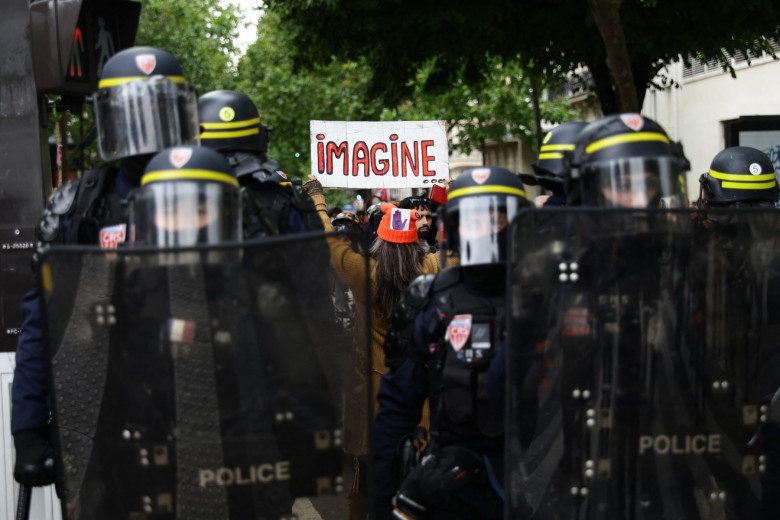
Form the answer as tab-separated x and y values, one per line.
34	457
313	187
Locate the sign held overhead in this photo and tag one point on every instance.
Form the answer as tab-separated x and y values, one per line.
379	154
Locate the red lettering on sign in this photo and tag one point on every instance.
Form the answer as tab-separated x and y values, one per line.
427	172
405	154
383	162
360	157
337	150
414	157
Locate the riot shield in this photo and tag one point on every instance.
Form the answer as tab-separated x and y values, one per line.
201	383
641	369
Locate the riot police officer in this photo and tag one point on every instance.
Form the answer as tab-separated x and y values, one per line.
549	171
739	177
143	104
625	160
231	125
446	343
188	197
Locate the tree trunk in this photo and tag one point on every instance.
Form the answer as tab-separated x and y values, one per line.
537	111
607	16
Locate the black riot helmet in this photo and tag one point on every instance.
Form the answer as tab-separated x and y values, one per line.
188	196
481	203
230	124
625	160
144	104
739	176
347	221
549	166
229	121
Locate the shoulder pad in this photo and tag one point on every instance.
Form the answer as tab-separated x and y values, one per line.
61	203
447	278
420	287
399	339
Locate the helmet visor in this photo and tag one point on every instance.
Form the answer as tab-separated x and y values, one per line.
185	213
638	182
482	222
145	116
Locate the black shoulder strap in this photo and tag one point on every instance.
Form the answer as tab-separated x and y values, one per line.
302	201
86	223
399	340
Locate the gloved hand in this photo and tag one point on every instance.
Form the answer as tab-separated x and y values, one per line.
34	457
435	483
313	187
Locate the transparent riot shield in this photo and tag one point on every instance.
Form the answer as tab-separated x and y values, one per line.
201	383
642	365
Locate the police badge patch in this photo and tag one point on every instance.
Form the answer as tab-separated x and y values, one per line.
112	236
458	331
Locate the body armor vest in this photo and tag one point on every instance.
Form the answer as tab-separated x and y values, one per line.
473	330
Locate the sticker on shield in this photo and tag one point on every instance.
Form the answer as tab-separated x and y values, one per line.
181	331
146	62
458	331
180	156
575	323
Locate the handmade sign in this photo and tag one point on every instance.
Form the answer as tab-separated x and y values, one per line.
379	154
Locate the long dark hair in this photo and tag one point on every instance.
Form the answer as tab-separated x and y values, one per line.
397	265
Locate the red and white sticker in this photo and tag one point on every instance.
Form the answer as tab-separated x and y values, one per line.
112	236
180	156
146	62
633	121
459	330
281	174
575	323
480	175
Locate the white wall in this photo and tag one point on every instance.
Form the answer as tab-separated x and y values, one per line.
694	113
44	504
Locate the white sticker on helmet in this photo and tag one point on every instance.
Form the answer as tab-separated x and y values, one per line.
480	175
180	156
633	121
146	63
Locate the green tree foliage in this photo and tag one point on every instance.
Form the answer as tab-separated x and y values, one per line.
287	99
397	37
199	33
494	107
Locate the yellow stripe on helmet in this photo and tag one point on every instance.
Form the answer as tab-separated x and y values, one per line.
741	178
198	175
625	138
231	124
561	147
228	135
113	82
550	155
478	190
748	185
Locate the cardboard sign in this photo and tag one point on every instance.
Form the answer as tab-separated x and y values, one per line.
379	154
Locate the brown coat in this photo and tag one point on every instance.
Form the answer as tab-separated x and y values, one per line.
351	266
